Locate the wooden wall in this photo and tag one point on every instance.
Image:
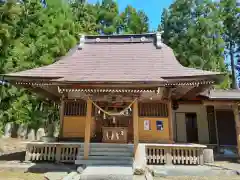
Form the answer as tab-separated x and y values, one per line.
153	135
74	126
153	112
179	122
74	120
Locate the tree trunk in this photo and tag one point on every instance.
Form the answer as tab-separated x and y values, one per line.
234	83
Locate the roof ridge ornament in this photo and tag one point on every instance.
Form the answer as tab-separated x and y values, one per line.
81	41
159	43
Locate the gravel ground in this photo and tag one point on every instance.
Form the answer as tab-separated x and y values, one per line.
198	178
18	175
11	149
11	145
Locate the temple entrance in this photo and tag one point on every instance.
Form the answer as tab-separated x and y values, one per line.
111	125
226	127
191	127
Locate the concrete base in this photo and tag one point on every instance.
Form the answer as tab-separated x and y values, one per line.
107	173
163	171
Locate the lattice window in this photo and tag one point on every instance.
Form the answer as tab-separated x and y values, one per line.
75	108
153	109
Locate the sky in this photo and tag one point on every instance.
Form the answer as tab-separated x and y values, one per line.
153	8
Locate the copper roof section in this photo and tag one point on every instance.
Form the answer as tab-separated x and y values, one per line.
133	58
220	94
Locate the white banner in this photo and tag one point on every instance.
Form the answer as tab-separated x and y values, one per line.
146	125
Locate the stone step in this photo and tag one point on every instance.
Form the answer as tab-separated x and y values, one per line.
105	162
107	153
105	158
104	149
110	145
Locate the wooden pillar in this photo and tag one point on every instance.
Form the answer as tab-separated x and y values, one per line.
237	125
216	125
135	125
61	115
87	129
170	120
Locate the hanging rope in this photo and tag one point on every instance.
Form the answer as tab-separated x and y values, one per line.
111	113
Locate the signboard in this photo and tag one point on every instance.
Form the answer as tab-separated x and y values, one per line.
146	125
159	125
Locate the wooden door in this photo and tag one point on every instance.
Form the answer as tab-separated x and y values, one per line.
226	127
180	127
191	127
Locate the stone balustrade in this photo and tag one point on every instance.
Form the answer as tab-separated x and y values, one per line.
54	151
177	154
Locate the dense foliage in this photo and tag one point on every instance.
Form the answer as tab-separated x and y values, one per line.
33	34
230	16
202	32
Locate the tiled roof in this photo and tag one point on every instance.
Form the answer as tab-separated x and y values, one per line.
116	58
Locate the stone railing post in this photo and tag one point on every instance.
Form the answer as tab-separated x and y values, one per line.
201	156
58	153
28	152
168	156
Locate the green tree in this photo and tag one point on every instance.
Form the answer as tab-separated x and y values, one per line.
86	16
193	29
41	35
9	16
231	20
108	19
133	21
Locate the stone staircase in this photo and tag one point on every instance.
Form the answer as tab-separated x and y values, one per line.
107	154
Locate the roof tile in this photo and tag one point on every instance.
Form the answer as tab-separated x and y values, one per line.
116	61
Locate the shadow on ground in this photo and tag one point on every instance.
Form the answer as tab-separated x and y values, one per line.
51	167
15	156
220	158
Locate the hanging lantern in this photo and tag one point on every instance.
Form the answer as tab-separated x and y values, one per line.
130	109
99	112
114	120
104	116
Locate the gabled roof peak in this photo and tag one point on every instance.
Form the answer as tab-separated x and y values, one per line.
122	38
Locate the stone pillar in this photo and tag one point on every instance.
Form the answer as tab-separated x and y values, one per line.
170	120
87	129
237	125
135	125
140	160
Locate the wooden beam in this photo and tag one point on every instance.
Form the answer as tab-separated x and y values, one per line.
180	91
193	92
135	125
61	113
87	129
237	125
189	102
170	120
215	103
